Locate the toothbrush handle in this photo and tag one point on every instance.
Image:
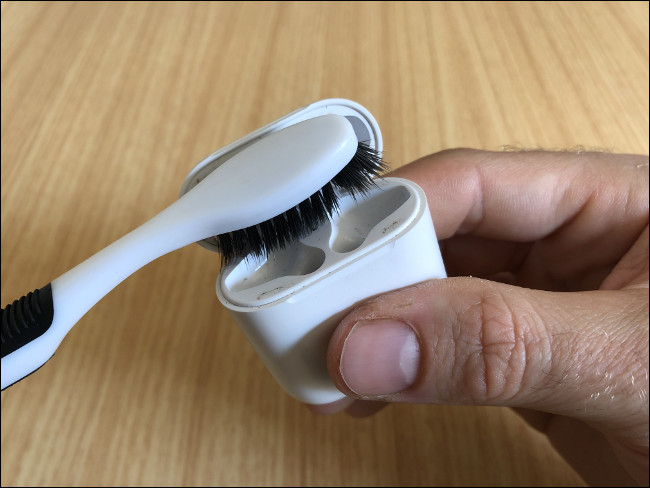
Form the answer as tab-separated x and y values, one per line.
25	320
34	326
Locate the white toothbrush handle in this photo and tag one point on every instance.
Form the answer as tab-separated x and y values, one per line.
34	326
258	183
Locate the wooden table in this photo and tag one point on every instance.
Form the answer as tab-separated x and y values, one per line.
107	106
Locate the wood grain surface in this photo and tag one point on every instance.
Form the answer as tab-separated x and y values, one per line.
106	106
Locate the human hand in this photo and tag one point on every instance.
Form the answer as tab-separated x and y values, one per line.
545	310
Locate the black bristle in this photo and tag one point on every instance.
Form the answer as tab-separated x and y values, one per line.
224	242
293	221
330	199
356	178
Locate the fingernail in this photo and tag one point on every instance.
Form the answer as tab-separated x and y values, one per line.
380	357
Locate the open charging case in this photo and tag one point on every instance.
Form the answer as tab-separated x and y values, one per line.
288	303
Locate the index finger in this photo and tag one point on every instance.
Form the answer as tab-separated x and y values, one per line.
571	212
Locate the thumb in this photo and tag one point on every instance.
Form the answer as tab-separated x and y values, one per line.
476	342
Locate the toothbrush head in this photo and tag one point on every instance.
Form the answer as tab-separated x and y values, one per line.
356	179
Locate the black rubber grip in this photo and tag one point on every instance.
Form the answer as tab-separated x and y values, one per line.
26	319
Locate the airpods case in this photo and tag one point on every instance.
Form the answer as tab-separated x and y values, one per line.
288	303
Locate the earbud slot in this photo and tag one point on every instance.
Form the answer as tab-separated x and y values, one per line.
297	259
357	218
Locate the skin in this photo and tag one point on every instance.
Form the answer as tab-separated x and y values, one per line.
545	309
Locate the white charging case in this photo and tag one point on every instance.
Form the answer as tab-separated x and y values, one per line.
288	303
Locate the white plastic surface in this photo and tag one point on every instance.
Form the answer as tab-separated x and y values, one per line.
363	123
259	182
289	303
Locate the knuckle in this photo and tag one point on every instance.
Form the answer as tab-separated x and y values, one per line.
498	338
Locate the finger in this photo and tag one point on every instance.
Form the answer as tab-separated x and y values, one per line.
632	270
582	211
525	196
528	264
475	342
466	254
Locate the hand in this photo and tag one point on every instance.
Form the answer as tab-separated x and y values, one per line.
545	310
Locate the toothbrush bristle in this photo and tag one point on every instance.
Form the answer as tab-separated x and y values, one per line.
356	178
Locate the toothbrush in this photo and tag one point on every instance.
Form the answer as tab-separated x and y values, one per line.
276	190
